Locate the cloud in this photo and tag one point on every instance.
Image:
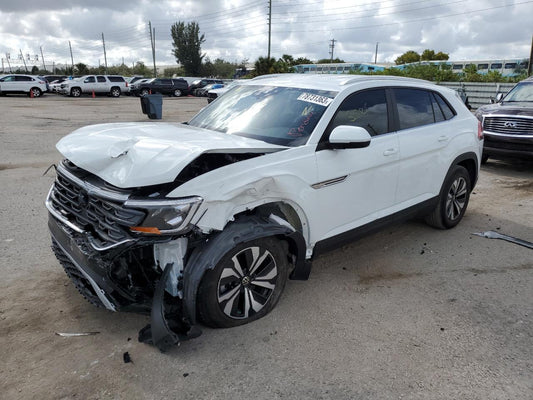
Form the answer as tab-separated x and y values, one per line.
238	29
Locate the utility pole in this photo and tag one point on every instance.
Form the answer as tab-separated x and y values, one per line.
152	41
269	26
23	60
71	58
105	55
376	56
332	47
530	66
8	56
42	57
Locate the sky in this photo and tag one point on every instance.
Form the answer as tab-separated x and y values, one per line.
237	30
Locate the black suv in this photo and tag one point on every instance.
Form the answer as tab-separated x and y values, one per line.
171	87
508	124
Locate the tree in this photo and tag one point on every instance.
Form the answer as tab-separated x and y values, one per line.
427	55
410	56
264	66
302	60
441	56
187	44
81	69
328	60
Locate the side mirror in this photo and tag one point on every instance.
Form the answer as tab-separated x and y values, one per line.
349	137
499	97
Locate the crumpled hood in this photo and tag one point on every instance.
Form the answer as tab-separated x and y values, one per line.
143	154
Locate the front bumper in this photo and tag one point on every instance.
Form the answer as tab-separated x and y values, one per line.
520	146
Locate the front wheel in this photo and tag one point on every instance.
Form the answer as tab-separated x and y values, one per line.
75	92
145	92
453	200
245	285
177	93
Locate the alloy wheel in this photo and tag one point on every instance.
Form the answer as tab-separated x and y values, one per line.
247	283
457	197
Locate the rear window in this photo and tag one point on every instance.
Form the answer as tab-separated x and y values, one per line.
116	78
418	107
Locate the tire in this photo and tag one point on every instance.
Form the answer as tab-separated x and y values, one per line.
75	92
484	159
36	92
177	93
231	295
144	92
453	199
115	92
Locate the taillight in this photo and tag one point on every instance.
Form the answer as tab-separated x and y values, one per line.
479	130
126	84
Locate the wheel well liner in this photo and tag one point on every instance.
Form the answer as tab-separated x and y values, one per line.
470	163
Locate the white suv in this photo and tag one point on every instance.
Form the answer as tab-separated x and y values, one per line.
27	84
206	220
98	84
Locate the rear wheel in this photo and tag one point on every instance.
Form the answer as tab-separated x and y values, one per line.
484	159
36	92
245	285
115	92
177	93
453	200
144	92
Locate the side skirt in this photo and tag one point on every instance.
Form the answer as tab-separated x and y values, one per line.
342	239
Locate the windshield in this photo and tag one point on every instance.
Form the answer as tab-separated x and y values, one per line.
277	115
521	92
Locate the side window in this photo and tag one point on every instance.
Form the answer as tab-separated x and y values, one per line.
89	79
437	112
166	82
8	79
446	109
367	109
101	78
23	78
414	107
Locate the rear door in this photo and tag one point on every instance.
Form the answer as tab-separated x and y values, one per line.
423	133
102	85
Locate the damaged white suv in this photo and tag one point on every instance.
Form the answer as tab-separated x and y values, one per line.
205	221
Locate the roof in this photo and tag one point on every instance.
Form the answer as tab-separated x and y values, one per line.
326	82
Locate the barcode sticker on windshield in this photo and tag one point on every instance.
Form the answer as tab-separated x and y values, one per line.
315	99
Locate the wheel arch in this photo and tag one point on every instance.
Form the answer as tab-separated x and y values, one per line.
209	252
470	163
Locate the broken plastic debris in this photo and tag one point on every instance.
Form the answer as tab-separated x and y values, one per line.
496	235
75	334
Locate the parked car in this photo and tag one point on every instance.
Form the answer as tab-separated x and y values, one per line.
203	91
23	84
508	124
212	94
172	87
200	83
204	221
111	85
55	86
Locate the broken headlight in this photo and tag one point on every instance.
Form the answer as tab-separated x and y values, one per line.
165	216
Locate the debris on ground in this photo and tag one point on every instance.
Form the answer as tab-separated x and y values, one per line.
76	334
497	235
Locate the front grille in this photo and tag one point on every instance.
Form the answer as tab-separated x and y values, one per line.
108	221
509	125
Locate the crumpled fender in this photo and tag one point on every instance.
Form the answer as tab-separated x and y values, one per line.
164	332
208	254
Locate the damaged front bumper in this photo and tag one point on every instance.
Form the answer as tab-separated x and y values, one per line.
156	274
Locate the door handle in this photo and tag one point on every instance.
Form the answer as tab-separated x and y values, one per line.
443	138
390	152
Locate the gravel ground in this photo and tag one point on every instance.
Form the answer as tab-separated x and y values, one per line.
408	313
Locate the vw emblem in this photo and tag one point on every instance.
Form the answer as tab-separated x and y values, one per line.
509	124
